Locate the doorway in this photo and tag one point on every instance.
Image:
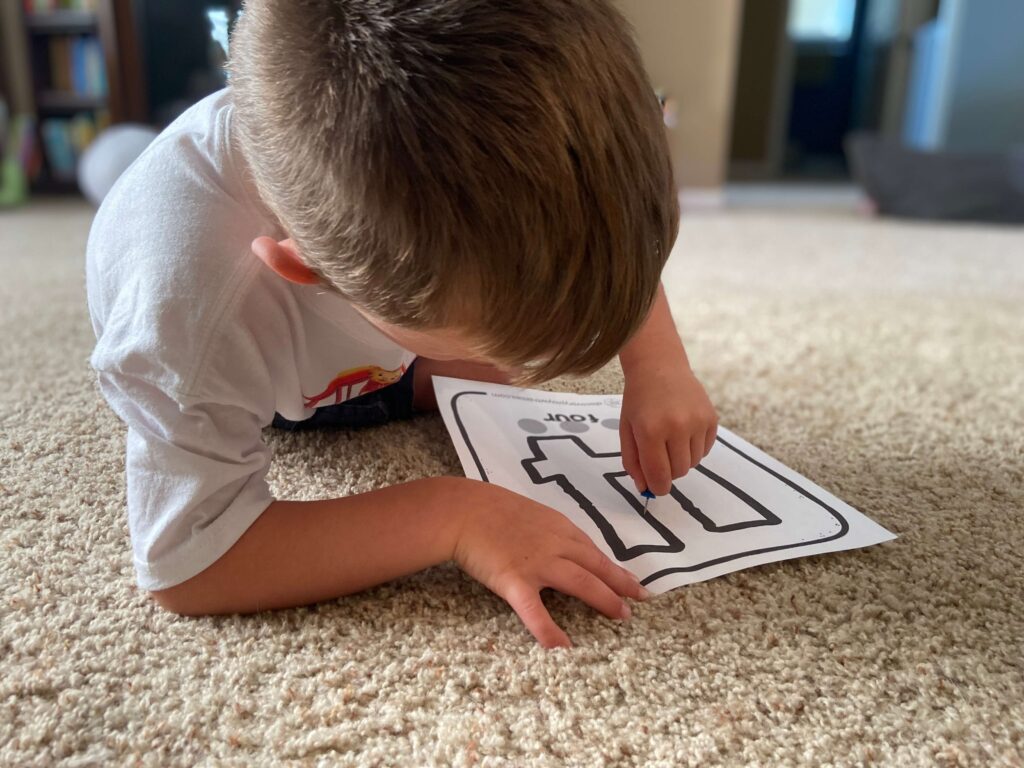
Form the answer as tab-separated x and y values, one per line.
810	73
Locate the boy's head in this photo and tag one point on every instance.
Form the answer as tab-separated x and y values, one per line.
496	168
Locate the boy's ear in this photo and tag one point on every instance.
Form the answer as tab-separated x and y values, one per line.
284	259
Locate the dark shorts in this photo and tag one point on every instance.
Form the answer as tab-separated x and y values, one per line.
388	404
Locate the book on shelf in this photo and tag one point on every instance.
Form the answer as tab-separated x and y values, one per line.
65	139
76	65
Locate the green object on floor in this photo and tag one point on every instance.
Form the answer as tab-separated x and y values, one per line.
16	141
13	186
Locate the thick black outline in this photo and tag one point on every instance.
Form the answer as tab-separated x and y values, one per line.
844	526
620	550
767	516
465	435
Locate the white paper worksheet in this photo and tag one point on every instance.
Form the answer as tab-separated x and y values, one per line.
738	508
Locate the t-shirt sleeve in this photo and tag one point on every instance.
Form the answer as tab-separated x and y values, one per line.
196	477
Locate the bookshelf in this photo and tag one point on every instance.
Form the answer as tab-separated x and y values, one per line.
76	59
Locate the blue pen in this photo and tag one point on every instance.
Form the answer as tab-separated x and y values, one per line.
647	498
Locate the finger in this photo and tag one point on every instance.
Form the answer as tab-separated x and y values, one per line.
709	440
696	449
622	581
630	455
525	601
679	451
570	578
655	464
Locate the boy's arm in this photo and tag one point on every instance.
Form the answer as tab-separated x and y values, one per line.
301	552
668	423
656	341
298	552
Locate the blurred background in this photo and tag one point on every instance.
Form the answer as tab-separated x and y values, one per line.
761	95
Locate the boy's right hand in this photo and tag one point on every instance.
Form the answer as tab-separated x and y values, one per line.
516	547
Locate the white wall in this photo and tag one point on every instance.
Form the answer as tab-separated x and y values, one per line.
690	49
986	104
967	89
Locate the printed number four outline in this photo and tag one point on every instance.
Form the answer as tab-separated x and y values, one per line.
673	544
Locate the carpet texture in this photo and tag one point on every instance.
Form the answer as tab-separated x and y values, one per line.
883	360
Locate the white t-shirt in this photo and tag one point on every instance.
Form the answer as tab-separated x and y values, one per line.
199	343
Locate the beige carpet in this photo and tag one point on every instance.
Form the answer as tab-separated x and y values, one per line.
883	360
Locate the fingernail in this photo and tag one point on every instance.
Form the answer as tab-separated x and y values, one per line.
644	593
626	612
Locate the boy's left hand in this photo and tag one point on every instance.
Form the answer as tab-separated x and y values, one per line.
668	424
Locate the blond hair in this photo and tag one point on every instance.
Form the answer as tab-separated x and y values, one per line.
496	167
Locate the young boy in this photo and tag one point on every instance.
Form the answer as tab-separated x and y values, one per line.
389	190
